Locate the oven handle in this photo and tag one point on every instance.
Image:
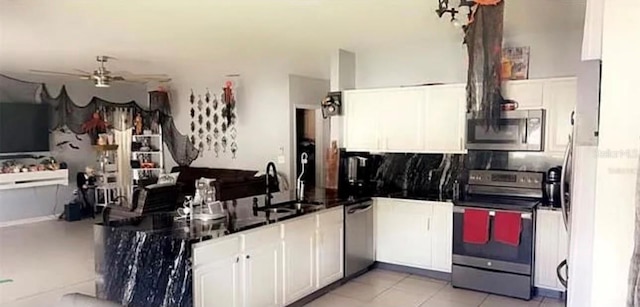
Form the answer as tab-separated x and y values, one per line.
525	129
526	216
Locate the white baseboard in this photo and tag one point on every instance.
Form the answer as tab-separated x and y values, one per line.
27	221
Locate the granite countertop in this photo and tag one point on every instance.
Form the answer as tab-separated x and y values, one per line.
241	216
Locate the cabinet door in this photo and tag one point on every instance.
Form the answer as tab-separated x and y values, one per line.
401	119
593	23
560	97
551	248
216	273
403	233
441	228
362	113
330	251
527	93
445	119
218	283
299	259
263	275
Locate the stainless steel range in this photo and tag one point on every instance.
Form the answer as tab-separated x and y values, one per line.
489	264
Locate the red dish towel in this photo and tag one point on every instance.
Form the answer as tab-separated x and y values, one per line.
475	228
507	227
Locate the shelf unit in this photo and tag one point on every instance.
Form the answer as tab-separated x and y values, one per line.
155	155
107	187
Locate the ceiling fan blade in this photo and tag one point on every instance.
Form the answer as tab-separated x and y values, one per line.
143	79
83	71
60	73
130	74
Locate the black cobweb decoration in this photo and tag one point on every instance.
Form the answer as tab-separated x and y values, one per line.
66	113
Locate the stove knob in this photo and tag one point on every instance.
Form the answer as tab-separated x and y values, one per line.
528	180
536	181
521	179
489	263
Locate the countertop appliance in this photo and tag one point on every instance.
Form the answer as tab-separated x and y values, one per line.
496	267
358	243
552	186
356	174
520	130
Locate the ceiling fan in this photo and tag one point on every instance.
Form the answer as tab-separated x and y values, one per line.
102	77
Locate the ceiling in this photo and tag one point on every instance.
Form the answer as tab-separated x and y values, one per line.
153	35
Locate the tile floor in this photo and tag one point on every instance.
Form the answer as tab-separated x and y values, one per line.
380	288
45	261
49	259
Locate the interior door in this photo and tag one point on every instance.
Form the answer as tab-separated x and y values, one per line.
218	283
445	120
299	259
362	113
401	119
560	97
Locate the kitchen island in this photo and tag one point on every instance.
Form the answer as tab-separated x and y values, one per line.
149	260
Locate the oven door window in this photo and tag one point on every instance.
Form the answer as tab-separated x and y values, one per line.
510	132
493	250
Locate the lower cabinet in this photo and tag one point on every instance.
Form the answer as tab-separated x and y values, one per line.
270	266
414	233
299	259
551	248
217	274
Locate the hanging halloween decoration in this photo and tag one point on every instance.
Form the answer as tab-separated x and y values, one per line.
216	148
209	141
229	100
137	122
94	126
483	37
234	149
224	143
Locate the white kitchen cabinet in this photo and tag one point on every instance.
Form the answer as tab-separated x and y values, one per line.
217	274
527	93
402	232
441	228
444	123
593	25
363	111
551	248
330	248
262	267
400	120
299	258
560	98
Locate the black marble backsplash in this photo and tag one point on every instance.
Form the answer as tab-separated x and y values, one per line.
513	161
419	174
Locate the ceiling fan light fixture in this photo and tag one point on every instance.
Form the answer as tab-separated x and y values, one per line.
101	83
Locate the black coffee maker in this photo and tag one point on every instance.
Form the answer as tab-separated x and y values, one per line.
552	186
356	174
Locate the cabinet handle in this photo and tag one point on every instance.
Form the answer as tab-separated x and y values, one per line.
428	224
248	256
237	259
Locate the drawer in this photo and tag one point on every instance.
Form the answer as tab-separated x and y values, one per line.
209	251
261	236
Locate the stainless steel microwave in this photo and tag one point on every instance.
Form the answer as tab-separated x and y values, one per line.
520	130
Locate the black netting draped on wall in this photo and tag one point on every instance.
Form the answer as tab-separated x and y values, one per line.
67	114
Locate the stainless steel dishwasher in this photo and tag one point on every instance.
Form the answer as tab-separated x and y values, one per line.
359	254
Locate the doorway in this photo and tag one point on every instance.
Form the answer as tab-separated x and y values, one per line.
306	141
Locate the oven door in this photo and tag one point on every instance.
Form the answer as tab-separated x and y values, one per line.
495	255
521	130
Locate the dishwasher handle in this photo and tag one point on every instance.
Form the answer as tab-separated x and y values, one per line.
359	209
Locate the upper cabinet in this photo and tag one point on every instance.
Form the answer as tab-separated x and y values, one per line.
527	93
560	97
412	119
592	37
445	119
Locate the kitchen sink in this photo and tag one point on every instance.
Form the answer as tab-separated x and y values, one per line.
274	209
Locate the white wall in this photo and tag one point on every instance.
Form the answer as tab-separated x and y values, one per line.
413	62
617	186
41	201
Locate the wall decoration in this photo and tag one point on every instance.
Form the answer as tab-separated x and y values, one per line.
216	133
234	149
515	63
208	126
209	142
216	148
233	133
200	104
215	118
224	143
215	103
224	127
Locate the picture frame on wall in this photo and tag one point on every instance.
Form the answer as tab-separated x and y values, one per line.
515	63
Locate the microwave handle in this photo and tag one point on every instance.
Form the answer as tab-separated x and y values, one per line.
525	129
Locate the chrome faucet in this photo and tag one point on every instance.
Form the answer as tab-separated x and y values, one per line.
270	167
304	159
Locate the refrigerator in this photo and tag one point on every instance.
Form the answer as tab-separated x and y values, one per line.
578	185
